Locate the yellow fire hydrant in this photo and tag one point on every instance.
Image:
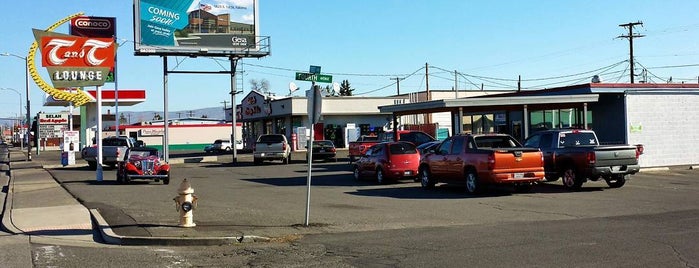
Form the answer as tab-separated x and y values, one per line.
185	202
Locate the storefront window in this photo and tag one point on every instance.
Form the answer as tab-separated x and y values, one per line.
561	118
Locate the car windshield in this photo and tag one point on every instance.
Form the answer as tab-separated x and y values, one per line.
271	138
495	142
143	153
323	144
577	139
218	141
402	148
114	142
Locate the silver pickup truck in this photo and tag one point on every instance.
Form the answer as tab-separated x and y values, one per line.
113	151
271	147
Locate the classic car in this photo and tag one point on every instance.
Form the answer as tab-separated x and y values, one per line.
143	163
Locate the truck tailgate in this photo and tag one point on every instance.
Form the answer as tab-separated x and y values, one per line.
615	155
518	159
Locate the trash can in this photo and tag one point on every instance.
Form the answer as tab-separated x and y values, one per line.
64	158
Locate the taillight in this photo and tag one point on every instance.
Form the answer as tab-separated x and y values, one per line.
639	150
542	158
591	158
332	150
283	146
491	161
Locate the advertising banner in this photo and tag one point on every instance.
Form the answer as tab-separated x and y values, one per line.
90	26
197	27
74	61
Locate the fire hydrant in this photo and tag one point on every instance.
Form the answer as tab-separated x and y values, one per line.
185	202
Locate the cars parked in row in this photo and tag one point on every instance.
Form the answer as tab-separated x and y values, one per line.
478	160
388	160
416	137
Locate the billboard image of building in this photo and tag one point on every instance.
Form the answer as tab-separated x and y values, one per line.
190	27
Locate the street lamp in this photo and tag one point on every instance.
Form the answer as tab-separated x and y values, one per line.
21	144
26	85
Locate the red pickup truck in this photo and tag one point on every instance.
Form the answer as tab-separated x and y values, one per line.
359	147
478	160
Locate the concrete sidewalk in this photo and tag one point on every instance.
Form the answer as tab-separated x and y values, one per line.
38	206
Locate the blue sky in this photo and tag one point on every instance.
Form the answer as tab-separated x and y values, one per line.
488	43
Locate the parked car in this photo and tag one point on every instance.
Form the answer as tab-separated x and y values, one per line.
576	156
478	160
143	163
388	160
416	137
271	147
218	146
358	148
324	150
427	147
113	151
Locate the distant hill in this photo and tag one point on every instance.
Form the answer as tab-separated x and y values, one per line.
211	113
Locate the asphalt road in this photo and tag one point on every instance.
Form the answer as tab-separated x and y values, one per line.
652	221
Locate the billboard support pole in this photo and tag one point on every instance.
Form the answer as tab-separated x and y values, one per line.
234	114
166	151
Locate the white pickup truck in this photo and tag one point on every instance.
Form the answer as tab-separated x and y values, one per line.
113	151
272	147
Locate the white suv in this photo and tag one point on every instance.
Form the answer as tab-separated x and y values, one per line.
219	146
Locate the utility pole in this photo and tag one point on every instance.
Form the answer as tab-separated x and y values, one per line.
631	36
427	81
225	105
397	84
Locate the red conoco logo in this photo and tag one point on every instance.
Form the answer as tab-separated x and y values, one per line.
88	23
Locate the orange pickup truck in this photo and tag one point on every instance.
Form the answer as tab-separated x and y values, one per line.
478	160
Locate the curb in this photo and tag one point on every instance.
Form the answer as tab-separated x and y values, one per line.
654	169
110	237
6	224
193	159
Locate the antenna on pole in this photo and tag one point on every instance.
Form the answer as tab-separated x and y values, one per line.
631	36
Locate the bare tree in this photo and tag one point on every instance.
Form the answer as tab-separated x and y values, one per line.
261	85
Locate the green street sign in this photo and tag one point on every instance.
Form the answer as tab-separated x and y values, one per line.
321	78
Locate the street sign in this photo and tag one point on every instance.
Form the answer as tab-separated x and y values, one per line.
321	78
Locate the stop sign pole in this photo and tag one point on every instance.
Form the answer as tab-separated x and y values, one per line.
315	102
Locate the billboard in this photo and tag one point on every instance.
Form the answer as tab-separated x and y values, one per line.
193	27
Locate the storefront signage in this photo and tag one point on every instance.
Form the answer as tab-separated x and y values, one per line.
53	119
152	132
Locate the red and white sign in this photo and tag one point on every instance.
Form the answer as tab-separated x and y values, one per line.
75	51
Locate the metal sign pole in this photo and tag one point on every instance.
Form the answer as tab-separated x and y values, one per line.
166	151
234	138
310	99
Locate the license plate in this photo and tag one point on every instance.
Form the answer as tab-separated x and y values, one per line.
321	150
519	175
616	168
408	173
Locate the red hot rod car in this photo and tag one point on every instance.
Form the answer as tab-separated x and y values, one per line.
143	163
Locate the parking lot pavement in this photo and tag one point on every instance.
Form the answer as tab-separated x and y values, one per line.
244	202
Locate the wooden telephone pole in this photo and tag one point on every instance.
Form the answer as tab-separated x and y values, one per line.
631	36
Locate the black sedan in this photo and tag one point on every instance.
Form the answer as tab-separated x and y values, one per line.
324	150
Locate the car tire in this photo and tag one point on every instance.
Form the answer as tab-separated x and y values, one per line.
166	181
473	185
257	161
92	165
380	178
572	181
228	149
286	160
119	178
616	181
356	173
426	180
